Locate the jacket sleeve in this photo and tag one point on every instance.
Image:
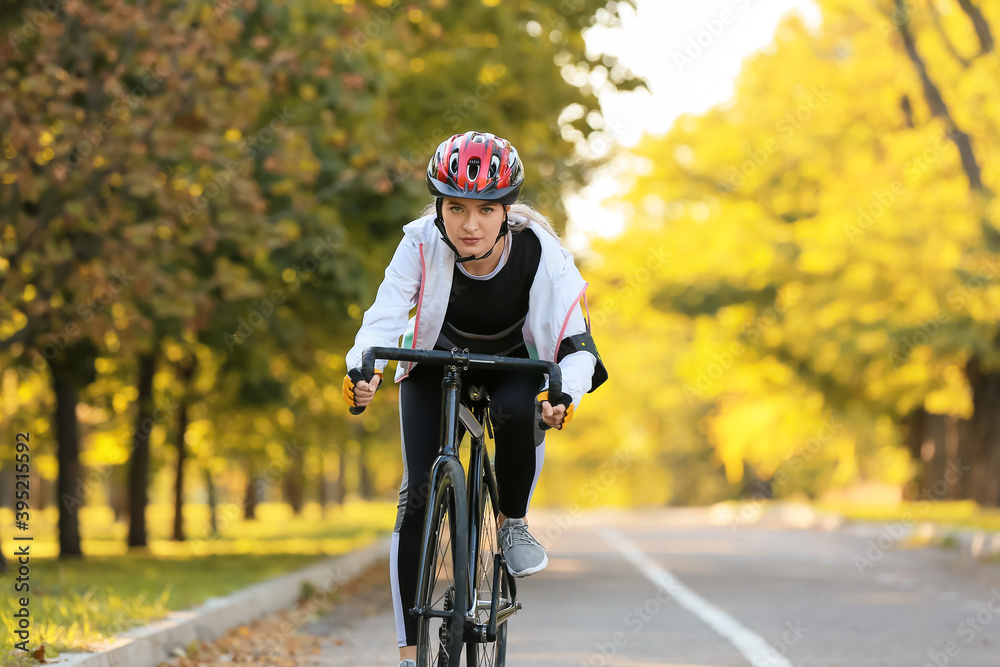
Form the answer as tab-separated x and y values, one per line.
577	367
385	321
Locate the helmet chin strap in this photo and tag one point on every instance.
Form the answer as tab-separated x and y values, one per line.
439	223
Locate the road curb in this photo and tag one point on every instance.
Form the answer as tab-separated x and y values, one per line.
801	516
975	542
149	645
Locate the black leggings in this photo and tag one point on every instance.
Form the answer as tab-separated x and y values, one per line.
519	451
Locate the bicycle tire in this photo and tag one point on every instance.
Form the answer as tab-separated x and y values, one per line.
439	640
490	654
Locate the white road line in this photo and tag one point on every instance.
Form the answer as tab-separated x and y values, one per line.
749	643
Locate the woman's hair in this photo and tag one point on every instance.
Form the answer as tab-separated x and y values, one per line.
518	217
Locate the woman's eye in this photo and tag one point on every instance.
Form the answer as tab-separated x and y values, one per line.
456	209
487	209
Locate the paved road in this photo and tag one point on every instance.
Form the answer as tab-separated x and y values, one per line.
666	588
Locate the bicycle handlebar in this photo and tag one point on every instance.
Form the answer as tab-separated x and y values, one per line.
457	357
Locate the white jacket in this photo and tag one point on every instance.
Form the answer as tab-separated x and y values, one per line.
420	275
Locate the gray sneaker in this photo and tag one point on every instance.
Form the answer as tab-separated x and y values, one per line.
408	663
523	553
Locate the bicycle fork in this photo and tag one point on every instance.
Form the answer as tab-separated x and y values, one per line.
480	483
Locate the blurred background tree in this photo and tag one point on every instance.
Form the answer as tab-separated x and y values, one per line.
196	200
829	310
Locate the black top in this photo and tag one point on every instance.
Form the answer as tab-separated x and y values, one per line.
485	315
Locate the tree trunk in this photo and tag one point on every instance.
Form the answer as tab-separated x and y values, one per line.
932	451
185	372
116	492
952	458
6	486
321	478
934	99
138	482
211	503
365	487
69	485
41	501
340	493
916	436
251	498
983	432
980	24
293	490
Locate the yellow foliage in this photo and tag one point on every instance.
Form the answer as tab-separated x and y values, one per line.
810	253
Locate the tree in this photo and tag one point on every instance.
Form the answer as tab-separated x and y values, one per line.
834	251
229	178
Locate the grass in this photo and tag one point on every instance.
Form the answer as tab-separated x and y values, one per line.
78	604
955	513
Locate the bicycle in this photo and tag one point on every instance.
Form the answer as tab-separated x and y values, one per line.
465	595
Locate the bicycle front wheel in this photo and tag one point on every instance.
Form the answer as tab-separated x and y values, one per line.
442	621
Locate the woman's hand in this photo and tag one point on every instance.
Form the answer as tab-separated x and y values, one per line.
558	415
360	394
553	416
364	392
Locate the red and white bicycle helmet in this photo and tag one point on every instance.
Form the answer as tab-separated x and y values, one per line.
475	165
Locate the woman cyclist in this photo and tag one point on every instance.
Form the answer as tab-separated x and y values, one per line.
489	275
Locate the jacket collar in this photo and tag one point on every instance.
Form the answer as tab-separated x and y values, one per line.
423	230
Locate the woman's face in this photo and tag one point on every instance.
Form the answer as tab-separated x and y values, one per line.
472	224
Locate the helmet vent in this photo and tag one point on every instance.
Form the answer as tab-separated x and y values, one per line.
472	171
